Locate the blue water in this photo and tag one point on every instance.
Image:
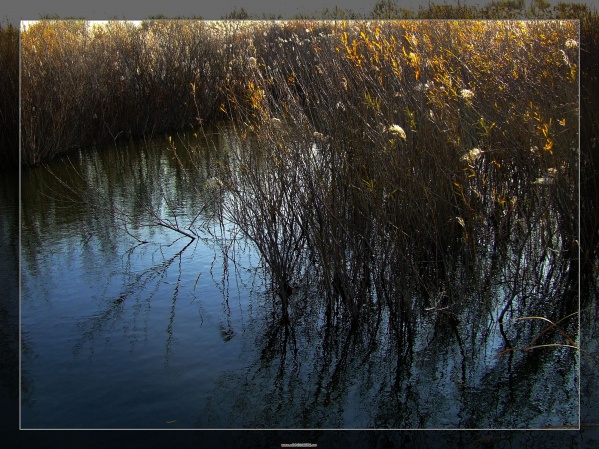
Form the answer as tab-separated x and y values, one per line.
118	334
114	344
175	333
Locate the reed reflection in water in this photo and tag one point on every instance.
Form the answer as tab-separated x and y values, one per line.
306	299
401	315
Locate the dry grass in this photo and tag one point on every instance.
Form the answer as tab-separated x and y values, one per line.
423	136
405	155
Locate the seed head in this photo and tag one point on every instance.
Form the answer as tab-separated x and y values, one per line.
398	130
467	94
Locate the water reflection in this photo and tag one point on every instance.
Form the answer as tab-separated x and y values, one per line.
153	326
9	310
368	374
425	312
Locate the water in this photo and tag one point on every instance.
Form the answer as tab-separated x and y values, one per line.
175	333
117	333
9	292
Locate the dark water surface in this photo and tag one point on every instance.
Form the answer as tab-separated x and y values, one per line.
9	292
175	333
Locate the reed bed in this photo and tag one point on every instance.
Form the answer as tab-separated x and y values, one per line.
82	84
394	157
9	96
389	173
389	153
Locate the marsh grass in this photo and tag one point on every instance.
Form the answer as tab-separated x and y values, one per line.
405	163
394	176
80	83
401	163
9	95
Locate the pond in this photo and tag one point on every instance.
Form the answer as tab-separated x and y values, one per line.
129	323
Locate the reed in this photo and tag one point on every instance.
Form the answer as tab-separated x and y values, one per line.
399	140
9	96
375	151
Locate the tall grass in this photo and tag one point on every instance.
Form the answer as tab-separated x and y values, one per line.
404	156
9	96
398	136
83	84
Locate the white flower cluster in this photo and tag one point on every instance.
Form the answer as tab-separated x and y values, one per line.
472	155
571	43
420	87
398	131
467	94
